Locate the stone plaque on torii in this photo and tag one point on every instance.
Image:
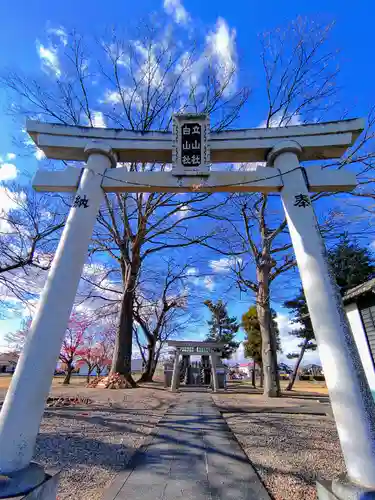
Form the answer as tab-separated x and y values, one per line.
283	148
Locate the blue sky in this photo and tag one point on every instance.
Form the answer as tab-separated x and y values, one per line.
23	36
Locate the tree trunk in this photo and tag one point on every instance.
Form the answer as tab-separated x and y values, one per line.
271	387
295	371
68	374
253	375
122	354
150	366
261	377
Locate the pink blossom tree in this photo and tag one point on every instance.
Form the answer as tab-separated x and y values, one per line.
105	347
73	342
97	349
88	353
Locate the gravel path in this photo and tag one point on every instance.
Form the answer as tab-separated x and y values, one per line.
289	451
92	443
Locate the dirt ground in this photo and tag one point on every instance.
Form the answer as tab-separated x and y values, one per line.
291	441
90	443
299	386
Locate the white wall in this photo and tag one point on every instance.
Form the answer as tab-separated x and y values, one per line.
359	335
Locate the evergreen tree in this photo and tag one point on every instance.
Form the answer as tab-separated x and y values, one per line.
222	327
304	331
351	264
253	342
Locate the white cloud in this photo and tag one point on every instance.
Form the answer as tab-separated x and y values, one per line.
220	53
10	200
60	33
112	97
98	119
49	59
239	355
127	95
224	264
182	211
281	120
194	278
221	47
175	9
117	53
11	156
39	154
289	343
8	171
209	283
149	72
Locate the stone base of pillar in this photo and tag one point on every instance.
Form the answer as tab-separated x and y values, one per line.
31	483
342	489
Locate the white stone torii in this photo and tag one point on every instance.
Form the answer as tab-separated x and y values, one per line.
283	148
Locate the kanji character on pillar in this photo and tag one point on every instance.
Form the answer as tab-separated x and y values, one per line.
301	200
81	201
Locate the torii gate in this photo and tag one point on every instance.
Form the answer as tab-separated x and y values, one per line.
283	148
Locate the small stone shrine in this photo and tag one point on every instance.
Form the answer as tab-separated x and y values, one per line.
209	371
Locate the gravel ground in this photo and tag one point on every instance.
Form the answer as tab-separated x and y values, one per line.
92	443
288	451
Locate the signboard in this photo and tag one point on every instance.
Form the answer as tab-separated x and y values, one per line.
190	149
198	350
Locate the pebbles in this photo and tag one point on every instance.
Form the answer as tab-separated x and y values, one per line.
289	452
90	444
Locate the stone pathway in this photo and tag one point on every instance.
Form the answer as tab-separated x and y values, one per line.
193	455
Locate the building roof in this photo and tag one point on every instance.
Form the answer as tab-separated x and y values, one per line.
353	293
8	358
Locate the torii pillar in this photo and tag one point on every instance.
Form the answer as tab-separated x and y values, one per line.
25	400
351	399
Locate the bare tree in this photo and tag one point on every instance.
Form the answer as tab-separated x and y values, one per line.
30	226
143	80
161	313
134	227
16	340
300	86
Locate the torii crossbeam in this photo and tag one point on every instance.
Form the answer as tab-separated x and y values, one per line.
318	141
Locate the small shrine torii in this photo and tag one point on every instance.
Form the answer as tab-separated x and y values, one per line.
188	347
191	148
